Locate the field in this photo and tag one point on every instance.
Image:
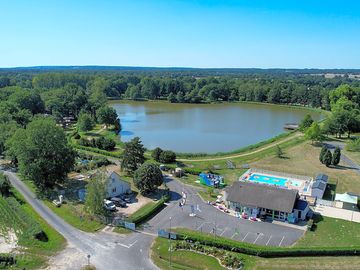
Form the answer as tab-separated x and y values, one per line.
26	223
185	260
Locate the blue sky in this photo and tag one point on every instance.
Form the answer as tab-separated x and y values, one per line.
265	34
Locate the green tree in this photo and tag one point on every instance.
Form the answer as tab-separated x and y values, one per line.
314	133
85	122
43	152
148	178
336	156
156	153
133	155
172	98
95	194
5	185
306	122
327	159
106	115
322	153
167	156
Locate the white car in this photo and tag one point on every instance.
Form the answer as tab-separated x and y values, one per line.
109	205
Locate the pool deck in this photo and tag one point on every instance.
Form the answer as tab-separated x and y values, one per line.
288	181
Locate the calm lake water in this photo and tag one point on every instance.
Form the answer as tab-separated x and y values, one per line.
209	128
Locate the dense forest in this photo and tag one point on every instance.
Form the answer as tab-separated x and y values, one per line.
299	87
26	94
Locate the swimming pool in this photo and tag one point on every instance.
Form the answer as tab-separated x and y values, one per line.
266	179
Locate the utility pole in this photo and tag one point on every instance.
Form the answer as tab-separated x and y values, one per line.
170	249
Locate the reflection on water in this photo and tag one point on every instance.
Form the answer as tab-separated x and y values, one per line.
204	127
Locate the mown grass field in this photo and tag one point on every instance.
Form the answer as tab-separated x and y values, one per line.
332	232
33	253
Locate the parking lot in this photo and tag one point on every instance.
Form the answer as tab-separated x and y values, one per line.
208	219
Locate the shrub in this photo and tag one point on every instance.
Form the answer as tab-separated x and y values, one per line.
101	143
167	156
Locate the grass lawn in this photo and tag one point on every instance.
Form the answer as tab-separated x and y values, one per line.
186	260
332	232
74	215
182	260
355	156
303	159
231	175
70	212
305	263
36	253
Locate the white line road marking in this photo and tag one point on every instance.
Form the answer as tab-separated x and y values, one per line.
245	236
200	226
269	240
223	231
281	240
257	237
133	244
233	235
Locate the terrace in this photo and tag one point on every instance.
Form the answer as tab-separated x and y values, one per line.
300	183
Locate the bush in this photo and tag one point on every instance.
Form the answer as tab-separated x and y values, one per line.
167	156
96	150
101	143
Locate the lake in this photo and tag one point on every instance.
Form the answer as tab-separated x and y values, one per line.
210	128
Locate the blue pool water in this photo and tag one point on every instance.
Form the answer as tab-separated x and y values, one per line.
270	180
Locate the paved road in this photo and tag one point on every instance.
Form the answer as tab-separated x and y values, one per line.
345	159
112	251
107	250
211	220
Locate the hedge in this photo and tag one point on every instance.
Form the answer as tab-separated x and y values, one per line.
264	251
98	151
141	215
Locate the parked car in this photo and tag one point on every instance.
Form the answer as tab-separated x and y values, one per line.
109	205
127	199
118	202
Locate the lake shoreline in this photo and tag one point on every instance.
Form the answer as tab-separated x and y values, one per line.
147	106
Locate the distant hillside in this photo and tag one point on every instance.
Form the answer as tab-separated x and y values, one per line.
178	71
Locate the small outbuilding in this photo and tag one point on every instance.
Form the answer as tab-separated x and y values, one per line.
346	200
319	186
211	180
